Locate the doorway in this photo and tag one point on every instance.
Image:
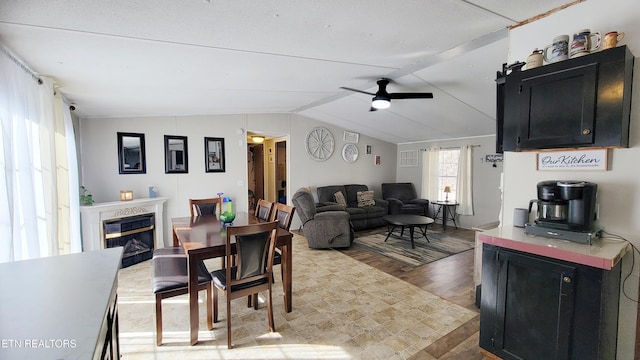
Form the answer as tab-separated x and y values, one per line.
281	171
267	168
255	173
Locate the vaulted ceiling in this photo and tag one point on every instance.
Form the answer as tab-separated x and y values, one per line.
125	58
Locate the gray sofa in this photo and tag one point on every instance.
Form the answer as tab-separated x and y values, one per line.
403	199
366	217
323	227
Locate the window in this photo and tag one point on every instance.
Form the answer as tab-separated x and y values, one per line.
448	173
409	158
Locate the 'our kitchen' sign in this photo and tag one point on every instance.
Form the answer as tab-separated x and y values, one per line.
573	160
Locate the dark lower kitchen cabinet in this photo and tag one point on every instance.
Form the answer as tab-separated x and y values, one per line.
580	102
535	307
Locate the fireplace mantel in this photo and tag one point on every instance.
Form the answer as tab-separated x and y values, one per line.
93	216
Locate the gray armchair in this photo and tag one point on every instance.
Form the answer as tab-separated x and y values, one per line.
403	199
325	227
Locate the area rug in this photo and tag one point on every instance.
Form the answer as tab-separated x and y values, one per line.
439	246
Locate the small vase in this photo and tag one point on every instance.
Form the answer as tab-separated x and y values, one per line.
227	215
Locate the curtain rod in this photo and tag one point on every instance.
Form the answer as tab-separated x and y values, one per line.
24	67
451	147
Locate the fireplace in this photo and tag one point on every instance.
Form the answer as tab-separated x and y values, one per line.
95	216
135	233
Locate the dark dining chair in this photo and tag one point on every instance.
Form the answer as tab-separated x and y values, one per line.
264	209
255	246
170	278
199	207
283	214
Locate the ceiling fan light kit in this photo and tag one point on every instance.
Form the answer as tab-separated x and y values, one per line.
380	103
382	99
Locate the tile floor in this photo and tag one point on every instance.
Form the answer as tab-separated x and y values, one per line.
342	309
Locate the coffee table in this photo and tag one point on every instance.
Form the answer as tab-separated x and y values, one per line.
410	221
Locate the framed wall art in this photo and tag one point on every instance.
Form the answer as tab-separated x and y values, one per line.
176	158
352	137
131	153
214	154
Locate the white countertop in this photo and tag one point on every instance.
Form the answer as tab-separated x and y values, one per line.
603	253
54	307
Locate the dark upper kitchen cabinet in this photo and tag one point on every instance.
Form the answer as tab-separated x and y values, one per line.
580	102
535	307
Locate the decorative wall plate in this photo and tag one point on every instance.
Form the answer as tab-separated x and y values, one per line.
320	144
350	153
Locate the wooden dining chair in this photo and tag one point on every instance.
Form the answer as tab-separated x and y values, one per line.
255	246
264	209
209	206
170	278
283	214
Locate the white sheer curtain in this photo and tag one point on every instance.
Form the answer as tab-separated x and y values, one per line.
464	182
430	173
35	175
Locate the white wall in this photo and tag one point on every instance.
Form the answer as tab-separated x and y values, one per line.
618	188
336	171
99	160
486	178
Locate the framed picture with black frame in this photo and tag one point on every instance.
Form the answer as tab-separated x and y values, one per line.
176	156
131	153
214	154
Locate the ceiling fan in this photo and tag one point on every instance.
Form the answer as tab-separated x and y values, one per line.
382	99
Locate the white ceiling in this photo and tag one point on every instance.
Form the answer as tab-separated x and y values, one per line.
125	58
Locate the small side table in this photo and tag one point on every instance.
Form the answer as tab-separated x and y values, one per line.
448	209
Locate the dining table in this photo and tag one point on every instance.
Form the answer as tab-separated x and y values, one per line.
204	237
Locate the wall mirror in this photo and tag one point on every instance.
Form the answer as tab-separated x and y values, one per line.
175	154
214	154
131	155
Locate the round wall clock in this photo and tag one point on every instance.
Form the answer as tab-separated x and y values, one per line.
319	144
350	153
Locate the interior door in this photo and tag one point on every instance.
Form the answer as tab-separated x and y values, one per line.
258	162
281	172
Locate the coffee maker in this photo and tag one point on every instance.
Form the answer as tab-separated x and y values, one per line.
565	209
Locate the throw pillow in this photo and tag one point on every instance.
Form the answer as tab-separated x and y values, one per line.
365	198
339	196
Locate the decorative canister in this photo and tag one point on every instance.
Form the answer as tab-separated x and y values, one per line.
534	60
558	50
584	42
611	39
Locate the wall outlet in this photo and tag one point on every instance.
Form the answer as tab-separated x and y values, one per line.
240	182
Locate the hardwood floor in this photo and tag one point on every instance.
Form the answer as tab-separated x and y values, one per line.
450	278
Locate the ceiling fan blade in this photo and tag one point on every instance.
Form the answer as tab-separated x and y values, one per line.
411	96
356	90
